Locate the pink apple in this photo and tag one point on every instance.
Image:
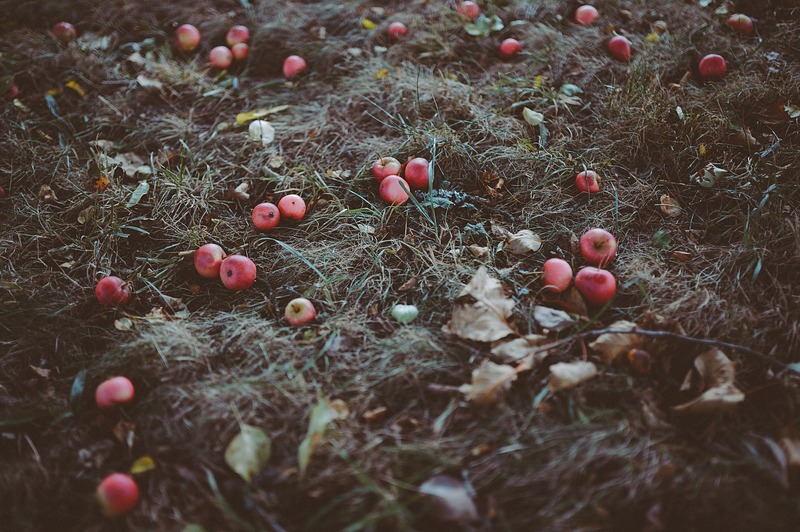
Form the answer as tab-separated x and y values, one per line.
112	291
595	285
266	216
469	10
292	207
397	30
509	49
585	15
384	167
293	65
118	494
598	247
557	275
237	272
394	189
240	51
620	48
236	35
300	311
713	67
741	23
113	392
187	37
416	173
220	57
588	181
64	32
208	260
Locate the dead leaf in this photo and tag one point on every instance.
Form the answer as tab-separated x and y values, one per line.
717	376
532	117
47	194
276	161
86	214
670	206
321	415
570	300
243	118
123	324
143	465
551	319
518	349
523	242
101	183
479	251
375	414
742	137
451	500
44	373
408	285
610	347
248	452
240	192
566	375
147	83
499	232
490	382
481	310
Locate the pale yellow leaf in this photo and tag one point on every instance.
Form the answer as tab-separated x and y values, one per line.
566	375
243	118
248	452
518	349
142	465
451	500
523	242
323	413
717	376
670	206
610	347
490	382
481	310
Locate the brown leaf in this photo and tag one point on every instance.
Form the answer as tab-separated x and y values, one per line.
490	382
518	349
717	376
610	347
523	242
479	251
409	285
551	319
670	206
569	300
240	192
566	375
46	194
481	310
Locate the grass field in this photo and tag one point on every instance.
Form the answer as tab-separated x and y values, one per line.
120	110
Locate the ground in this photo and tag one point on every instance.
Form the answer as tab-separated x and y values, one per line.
609	454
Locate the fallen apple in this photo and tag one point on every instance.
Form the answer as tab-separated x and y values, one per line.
596	286
240	51
417	173
394	189
117	494
113	392
300	311
620	48
237	35
187	37
598	247
112	291
266	216
237	272
220	57
586	15
292	207
713	67
397	30
384	167
557	275
509	49
469	10
208	260
293	65
588	181
741	23
64	32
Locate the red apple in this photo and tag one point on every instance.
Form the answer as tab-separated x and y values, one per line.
469	10
741	23
236	35
117	494
112	291
240	51
585	15
293	65
187	37
237	272
416	173
557	275
713	67
64	32
113	392
397	30
300	311
509	49
595	285
620	48
588	181
220	57
394	189
208	259
266	216
598	247
384	167
292	207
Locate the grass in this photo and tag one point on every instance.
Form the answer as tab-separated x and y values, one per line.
606	456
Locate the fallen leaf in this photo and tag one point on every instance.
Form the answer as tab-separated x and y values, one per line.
566	375
47	194
137	195
523	242
381	74
276	161
451	500
717	376
408	285
44	373
499	231
321	415
240	192
670	206
86	214
261	131
375	414
552	319
518	349
243	118
147	83
367	24
123	324
143	465
490	382
478	251
610	346
101	183
75	86
481	310
532	117
248	452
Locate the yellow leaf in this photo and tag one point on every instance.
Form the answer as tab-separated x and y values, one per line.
248	452
701	150
368	24
76	87
243	118
101	183
381	74
653	38
143	465
537	82
53	92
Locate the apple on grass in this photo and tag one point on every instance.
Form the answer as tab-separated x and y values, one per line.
112	291
620	48
292	207
585	15
596	286
237	35
220	57
266	216
237	272
417	173
598	247
384	167
588	181
741	23
557	275
208	259
469	9
113	392
240	51
300	311
397	30
64	32
713	67
117	494
187	37
509	49
293	65
394	189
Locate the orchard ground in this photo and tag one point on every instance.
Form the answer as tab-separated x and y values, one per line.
608	455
